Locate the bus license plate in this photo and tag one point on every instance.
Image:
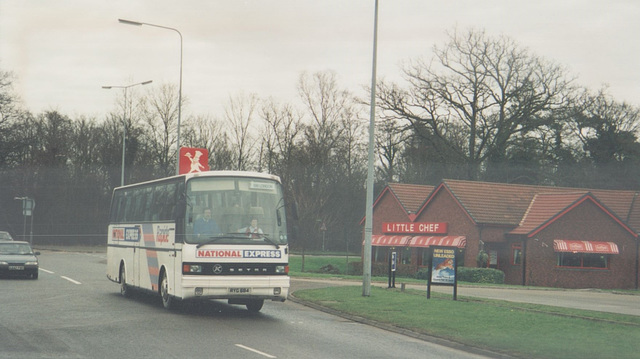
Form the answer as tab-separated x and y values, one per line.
16	268
239	290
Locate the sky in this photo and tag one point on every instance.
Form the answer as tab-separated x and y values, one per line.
62	52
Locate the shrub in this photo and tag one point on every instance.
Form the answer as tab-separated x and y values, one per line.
423	273
465	274
480	275
382	269
471	275
329	269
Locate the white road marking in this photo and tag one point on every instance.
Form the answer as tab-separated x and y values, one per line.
67	278
70	280
255	351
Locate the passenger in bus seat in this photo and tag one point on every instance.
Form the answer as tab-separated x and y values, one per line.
205	225
252	230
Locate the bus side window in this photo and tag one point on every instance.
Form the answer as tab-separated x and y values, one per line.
126	207
158	200
170	205
147	204
115	207
137	209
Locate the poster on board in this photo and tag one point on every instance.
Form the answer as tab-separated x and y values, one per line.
443	266
443	269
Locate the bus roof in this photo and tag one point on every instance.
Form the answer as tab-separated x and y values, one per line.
188	176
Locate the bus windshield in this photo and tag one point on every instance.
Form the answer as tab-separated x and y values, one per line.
232	210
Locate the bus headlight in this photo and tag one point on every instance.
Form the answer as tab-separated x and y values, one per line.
282	269
191	268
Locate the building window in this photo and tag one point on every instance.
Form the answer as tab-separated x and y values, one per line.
425	255
583	260
493	258
377	255
405	255
516	254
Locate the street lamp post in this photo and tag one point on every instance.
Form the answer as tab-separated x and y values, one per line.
137	23
368	224
124	121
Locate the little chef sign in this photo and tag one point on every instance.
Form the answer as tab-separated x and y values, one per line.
414	227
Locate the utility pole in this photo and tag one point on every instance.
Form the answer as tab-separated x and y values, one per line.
368	225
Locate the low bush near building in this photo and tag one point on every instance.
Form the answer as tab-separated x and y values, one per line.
327	265
480	275
471	275
382	269
329	269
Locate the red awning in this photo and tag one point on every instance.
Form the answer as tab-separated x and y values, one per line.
445	241
390	241
562	245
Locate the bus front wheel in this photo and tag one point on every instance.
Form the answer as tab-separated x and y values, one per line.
124	288
167	299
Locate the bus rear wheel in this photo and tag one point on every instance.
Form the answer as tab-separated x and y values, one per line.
255	305
124	288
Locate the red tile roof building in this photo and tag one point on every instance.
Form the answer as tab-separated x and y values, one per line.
537	235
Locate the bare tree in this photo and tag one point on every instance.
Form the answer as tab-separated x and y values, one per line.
282	130
10	116
389	144
161	116
328	171
239	116
478	88
8	99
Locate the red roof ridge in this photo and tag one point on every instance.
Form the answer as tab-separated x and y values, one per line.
507	203
545	209
528	224
410	196
513	205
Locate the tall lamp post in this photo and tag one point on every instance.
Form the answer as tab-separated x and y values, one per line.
368	224
137	23
124	120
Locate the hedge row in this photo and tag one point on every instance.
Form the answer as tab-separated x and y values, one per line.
382	269
465	274
480	275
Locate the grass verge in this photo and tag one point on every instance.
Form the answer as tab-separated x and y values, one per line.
523	330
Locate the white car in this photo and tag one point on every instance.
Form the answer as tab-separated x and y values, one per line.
5	236
18	259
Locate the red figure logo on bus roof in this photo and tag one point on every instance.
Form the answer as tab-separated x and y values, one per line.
193	160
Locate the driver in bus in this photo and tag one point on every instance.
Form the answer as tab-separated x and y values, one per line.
252	230
205	225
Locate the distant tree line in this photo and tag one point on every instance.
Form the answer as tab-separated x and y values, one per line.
482	108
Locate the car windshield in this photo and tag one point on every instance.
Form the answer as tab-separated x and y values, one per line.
15	248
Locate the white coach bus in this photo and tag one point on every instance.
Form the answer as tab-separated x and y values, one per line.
207	235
